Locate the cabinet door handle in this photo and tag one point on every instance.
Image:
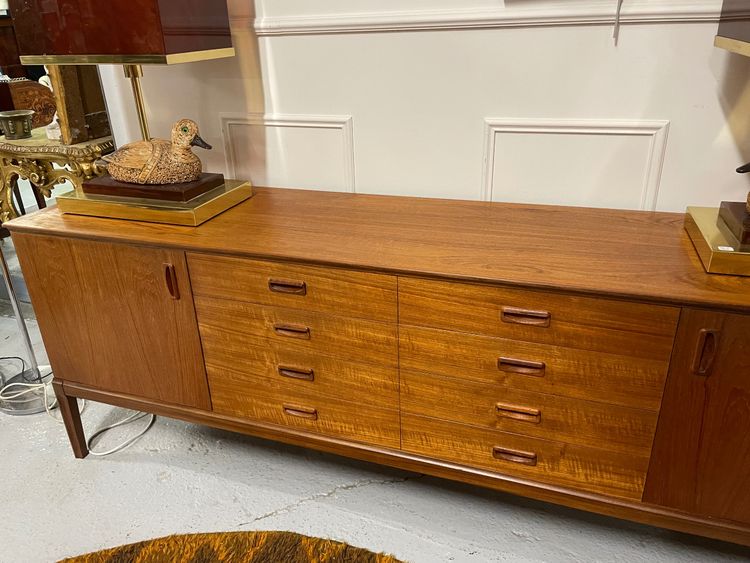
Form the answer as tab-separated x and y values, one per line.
301	412
524	414
292	331
705	352
297	373
170	276
528	317
514	456
289	287
524	367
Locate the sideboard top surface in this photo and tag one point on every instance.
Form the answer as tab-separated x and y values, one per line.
632	254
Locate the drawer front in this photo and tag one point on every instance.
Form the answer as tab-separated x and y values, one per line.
586	423
631	329
262	362
325	290
568	372
556	463
297	330
232	395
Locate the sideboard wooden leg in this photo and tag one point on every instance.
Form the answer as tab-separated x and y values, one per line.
72	418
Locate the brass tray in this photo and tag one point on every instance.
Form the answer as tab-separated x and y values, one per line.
717	248
191	213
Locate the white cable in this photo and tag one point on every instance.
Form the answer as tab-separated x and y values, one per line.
30	388
126	443
616	32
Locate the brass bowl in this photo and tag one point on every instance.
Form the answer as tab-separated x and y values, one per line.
16	123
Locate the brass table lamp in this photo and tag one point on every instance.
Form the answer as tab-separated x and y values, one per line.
127	32
722	236
133	33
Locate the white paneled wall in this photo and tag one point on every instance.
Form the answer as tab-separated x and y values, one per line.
521	100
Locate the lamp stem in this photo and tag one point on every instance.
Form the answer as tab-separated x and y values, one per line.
134	73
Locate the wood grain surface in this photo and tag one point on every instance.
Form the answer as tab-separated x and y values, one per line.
701	458
325	290
586	423
632	329
640	255
583	468
108	319
329	335
260	362
568	372
304	409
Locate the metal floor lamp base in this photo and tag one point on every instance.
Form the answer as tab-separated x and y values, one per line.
34	402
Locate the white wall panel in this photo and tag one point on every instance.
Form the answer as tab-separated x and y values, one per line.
597	163
420	99
313	152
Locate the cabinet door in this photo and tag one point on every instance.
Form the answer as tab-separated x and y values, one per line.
116	317
701	457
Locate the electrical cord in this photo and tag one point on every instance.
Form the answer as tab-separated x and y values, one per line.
32	386
16	396
126	443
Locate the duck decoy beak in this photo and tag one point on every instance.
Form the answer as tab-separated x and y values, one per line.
198	142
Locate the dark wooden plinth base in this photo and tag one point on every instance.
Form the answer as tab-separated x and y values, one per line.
106	185
737	220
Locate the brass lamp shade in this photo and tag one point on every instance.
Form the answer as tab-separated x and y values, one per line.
121	31
734	27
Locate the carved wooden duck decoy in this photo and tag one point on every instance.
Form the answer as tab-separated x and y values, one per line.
159	161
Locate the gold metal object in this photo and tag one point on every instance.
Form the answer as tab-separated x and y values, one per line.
733	45
135	73
718	249
192	213
168	59
34	159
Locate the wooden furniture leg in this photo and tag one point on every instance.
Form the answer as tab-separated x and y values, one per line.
72	418
39	197
17	194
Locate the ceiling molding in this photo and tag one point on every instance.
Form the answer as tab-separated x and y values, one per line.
590	12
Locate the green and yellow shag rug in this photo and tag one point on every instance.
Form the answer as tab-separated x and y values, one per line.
235	547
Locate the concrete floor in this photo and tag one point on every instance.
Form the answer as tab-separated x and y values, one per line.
183	478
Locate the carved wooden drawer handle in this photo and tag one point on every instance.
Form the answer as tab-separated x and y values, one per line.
705	352
290	287
301	412
527	317
297	373
292	331
523	367
514	456
170	277
524	414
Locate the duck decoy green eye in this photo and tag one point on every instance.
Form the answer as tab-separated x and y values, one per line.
185	130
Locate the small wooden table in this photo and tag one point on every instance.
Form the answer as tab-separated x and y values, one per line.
33	159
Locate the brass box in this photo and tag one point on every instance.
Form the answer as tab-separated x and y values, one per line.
191	213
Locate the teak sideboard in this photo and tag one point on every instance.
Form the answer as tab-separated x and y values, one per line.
577	356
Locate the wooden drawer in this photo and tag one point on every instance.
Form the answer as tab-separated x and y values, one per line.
326	290
233	395
568	372
298	330
264	362
620	327
586	423
544	461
